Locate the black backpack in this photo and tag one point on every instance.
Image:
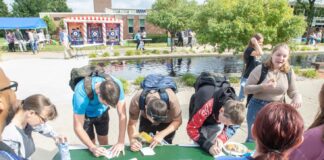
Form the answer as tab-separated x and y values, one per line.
157	83
222	91
264	72
86	73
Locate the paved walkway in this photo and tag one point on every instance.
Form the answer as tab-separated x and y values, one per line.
48	74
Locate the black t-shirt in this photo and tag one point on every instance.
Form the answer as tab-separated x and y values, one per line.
250	62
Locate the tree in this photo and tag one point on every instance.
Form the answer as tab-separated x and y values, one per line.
50	24
309	7
31	8
230	24
3	9
172	15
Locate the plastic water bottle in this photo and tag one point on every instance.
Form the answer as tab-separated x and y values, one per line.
64	151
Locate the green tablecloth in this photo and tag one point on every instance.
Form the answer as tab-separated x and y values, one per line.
161	152
173	152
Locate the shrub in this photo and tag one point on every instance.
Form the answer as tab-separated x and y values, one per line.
156	51
234	79
189	79
147	52
137	52
139	80
129	53
158	38
116	53
125	84
165	52
311	73
297	70
92	55
105	54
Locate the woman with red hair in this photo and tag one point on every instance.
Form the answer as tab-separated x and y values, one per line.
277	130
313	145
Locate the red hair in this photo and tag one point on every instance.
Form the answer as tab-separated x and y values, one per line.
277	128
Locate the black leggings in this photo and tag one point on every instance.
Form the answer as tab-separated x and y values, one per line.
12	47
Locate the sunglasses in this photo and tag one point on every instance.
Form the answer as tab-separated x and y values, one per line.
13	86
157	118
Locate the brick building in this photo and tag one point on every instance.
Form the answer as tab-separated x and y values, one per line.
133	19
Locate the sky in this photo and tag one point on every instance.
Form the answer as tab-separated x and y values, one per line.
86	6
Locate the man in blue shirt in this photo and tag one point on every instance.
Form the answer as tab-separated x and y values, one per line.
90	114
8	106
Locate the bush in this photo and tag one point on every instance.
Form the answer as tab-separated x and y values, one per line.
311	73
105	54
147	52
137	52
158	38
92	55
165	52
125	84
234	79
156	51
129	53
139	80
297	70
189	79
116	53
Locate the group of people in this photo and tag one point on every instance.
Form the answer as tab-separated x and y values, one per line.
316	37
139	38
16	36
215	113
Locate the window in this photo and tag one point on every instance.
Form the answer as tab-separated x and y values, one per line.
142	24
130	25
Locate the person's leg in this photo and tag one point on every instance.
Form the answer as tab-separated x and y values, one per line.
138	43
24	45
88	127
254	106
102	127
20	45
241	96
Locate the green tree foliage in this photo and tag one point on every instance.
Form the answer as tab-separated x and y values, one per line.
50	24
3	9
309	7
230	24
172	15
31	8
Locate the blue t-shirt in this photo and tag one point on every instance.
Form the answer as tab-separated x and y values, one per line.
92	108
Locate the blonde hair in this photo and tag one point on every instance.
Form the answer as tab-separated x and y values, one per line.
268	63
235	111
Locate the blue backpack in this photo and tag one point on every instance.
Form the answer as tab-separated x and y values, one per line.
158	83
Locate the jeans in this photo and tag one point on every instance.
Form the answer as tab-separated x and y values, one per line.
241	96
254	106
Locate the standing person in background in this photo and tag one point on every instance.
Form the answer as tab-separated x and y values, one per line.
11	41
250	56
138	39
61	36
21	41
270	82
278	129
190	35
313	146
31	41
36	38
66	44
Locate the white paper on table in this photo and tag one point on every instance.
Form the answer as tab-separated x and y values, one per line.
109	154
147	151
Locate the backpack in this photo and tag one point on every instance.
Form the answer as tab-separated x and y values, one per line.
86	73
264	72
222	92
159	83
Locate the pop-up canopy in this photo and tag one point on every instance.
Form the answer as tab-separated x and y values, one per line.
21	23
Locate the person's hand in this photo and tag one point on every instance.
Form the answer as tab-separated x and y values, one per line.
216	148
157	139
296	103
270	84
117	148
98	151
135	145
60	139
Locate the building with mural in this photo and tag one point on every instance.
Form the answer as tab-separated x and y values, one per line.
106	25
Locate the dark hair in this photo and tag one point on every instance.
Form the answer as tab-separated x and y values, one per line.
39	103
277	128
319	120
110	92
157	109
257	36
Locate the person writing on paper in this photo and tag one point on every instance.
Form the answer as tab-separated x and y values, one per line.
277	130
31	116
214	113
156	116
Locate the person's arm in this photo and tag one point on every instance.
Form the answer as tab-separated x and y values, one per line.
48	131
134	113
258	50
196	122
293	92
251	86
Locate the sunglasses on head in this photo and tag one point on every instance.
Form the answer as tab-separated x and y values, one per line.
13	85
157	118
